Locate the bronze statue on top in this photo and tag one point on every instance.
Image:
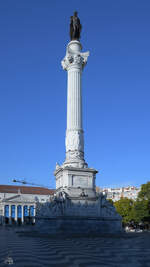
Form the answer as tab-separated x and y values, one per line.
75	27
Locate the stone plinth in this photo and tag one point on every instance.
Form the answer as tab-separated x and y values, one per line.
79	225
78	213
75	180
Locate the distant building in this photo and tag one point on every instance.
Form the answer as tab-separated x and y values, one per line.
18	203
115	194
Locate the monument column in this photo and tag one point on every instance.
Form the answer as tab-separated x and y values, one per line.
73	176
76	201
74	63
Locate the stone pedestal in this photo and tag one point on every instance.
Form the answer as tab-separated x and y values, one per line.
79	225
76	181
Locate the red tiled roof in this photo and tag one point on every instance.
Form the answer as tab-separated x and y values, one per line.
26	190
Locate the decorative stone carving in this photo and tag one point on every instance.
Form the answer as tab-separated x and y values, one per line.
74	140
72	59
55	207
57	166
62	204
71	155
108	210
83	194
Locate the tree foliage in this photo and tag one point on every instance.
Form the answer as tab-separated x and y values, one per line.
140	211
137	211
144	193
124	207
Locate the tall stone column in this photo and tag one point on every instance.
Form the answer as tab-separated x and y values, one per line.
73	175
74	63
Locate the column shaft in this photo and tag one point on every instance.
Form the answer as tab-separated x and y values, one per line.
74	62
74	100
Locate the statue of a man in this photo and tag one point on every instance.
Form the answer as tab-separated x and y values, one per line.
75	27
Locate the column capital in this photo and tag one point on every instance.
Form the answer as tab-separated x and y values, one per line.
74	58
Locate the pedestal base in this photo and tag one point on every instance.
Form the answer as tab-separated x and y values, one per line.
79	225
76	181
72	212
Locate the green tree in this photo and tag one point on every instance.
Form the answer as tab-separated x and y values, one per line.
140	211
137	211
124	207
144	194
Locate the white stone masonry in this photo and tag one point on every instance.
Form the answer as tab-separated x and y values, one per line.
74	63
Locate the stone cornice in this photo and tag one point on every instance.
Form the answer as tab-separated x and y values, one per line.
68	168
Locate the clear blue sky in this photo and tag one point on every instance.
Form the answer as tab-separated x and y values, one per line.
116	88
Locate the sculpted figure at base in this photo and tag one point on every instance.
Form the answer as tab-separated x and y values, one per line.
56	206
62	204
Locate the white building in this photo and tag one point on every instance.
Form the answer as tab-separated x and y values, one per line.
18	203
115	194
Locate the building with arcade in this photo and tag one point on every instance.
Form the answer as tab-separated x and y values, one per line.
18	203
